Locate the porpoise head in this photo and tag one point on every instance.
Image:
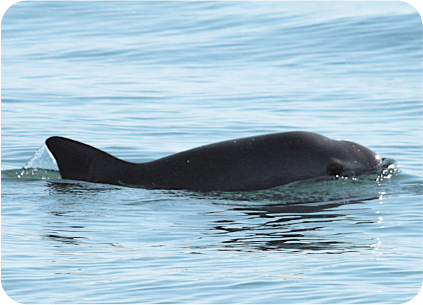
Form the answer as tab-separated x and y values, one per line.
351	159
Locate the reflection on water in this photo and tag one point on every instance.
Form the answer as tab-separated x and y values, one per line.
289	227
64	239
309	216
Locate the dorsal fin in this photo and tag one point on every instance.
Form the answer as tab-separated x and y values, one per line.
78	161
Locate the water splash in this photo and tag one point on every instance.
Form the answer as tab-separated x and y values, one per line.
31	173
42	159
390	170
41	166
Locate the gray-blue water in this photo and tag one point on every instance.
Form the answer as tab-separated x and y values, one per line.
142	80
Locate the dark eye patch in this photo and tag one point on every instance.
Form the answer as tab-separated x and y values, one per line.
334	169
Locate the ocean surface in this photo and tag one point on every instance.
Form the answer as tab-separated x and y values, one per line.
143	80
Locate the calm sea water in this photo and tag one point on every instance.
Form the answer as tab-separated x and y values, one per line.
142	80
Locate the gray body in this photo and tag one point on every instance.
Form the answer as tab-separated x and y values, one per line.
246	164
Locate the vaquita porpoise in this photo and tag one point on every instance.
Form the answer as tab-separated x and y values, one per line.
247	164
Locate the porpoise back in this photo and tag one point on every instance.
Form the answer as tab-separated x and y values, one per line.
246	164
